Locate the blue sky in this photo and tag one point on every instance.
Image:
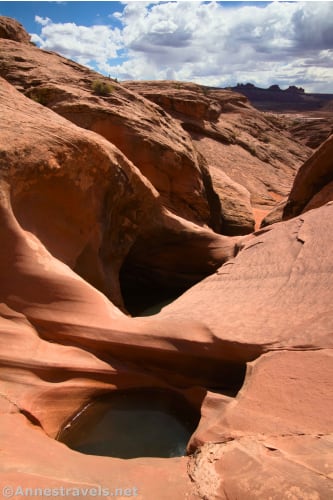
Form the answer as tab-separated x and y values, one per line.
212	43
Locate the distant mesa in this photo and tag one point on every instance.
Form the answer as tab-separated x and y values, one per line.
294	89
274	98
275	88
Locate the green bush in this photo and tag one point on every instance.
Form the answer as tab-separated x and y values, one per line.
101	88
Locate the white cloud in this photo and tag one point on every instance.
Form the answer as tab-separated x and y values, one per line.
42	20
280	42
82	43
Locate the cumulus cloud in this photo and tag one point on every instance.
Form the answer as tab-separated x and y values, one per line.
87	45
279	42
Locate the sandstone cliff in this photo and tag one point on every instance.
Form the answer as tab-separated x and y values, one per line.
312	187
253	159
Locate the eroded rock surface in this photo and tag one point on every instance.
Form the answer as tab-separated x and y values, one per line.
278	429
252	148
313	130
313	184
249	345
244	303
155	143
312	188
11	29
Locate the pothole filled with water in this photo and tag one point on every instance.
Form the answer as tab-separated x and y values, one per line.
131	424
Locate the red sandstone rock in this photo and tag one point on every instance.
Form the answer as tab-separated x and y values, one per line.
155	143
277	429
35	461
13	30
75	180
74	211
278	467
237	214
274	215
244	304
323	196
314	177
312	130
253	149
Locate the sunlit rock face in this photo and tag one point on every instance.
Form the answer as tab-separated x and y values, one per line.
11	29
238	365
251	156
312	187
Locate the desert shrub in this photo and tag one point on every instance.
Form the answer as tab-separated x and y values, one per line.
252	149
40	95
233	135
277	121
101	88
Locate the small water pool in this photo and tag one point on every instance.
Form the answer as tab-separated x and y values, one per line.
131	424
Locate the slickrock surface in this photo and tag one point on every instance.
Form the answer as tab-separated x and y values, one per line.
275	440
312	129
155	143
246	300
252	148
84	219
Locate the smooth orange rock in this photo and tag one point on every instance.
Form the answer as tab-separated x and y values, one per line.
250	345
274	439
312	178
35	461
237	213
253	149
260	301
150	138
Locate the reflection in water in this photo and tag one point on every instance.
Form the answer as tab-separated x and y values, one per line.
145	423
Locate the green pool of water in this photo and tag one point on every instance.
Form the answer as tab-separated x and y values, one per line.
132	424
